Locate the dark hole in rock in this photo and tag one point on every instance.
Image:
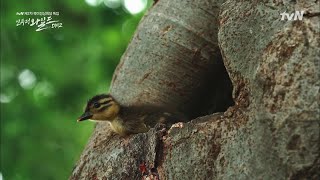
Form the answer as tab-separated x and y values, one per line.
216	93
294	142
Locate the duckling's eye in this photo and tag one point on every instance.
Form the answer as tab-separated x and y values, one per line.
96	105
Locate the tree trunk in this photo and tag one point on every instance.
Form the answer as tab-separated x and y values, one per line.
272	129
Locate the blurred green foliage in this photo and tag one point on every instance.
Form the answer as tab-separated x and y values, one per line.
62	68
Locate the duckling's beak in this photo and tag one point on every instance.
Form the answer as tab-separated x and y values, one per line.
85	116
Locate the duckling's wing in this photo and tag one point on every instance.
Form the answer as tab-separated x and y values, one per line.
150	115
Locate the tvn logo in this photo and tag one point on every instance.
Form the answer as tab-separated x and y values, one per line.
298	15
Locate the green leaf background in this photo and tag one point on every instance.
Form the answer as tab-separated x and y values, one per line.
40	138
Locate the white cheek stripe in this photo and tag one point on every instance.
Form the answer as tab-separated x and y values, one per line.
96	120
105	100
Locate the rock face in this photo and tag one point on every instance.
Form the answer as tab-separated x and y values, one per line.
272	130
278	61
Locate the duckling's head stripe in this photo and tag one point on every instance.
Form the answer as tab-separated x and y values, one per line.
96	99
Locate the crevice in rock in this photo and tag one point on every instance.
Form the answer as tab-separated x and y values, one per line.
159	158
216	96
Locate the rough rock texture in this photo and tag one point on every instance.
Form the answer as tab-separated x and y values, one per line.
272	131
279	64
